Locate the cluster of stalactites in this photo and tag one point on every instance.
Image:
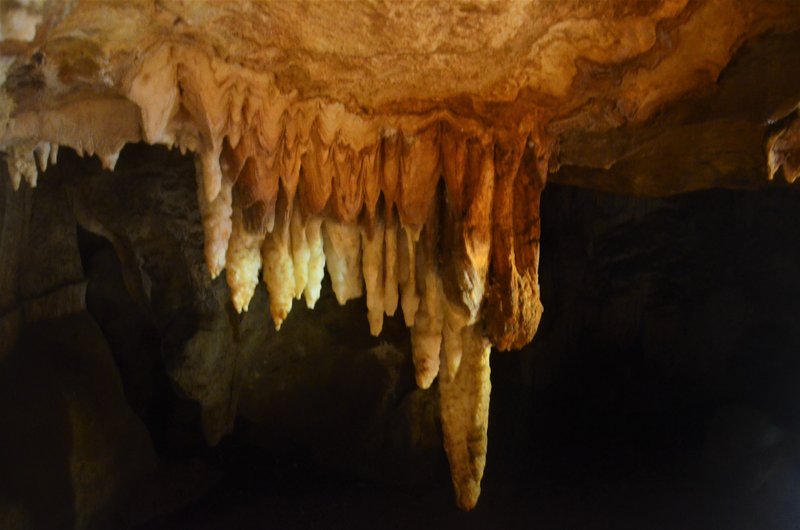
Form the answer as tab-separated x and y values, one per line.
378	220
272	166
439	225
431	217
410	222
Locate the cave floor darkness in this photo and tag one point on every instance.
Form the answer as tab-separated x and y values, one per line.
626	468
620	473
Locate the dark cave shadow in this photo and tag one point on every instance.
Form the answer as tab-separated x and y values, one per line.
36	435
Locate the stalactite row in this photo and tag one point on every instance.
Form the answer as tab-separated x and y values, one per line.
433	259
432	214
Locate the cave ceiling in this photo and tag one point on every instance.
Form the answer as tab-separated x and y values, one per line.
404	146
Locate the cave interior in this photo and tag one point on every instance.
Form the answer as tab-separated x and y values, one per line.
644	365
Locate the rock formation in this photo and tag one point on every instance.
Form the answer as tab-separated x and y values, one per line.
403	148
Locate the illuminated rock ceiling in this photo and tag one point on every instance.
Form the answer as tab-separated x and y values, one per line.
403	146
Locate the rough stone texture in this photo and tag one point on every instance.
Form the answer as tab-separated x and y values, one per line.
715	138
148	215
389	58
41	270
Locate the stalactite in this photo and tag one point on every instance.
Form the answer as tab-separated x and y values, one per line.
301	252
390	292
217	225
464	398
426	335
342	244
373	270
276	254
316	261
243	262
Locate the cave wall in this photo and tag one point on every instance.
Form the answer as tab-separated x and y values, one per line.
71	450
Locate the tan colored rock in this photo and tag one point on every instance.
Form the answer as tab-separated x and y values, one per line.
278	272
513	308
464	398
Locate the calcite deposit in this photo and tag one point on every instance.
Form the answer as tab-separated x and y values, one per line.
401	147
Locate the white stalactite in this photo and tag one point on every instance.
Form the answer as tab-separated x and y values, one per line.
316	261
212	174
21	166
217	225
373	264
426	335
278	273
301	253
53	154
455	322
407	259
343	257
243	263
390	293
464	404
42	153
109	161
